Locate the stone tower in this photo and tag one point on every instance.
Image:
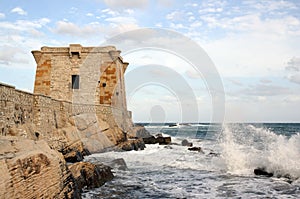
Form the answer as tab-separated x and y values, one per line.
90	75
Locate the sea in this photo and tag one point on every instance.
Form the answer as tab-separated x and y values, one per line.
222	169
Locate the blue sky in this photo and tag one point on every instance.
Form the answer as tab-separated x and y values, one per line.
253	44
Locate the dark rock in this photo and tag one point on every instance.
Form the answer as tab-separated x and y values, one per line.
90	175
168	147
213	154
150	140
160	140
74	152
186	143
133	144
73	156
262	172
165	140
159	135
195	149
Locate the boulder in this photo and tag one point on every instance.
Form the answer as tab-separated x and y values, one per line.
160	140
163	140
90	175
186	143
132	144
262	172
150	140
31	169
195	149
119	164
138	132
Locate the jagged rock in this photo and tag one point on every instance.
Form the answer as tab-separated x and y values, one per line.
195	149
163	140
74	152
30	169
160	140
186	143
262	172
138	132
132	144
90	175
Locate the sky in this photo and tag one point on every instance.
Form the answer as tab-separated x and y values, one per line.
254	45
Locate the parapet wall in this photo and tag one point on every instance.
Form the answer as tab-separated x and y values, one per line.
37	116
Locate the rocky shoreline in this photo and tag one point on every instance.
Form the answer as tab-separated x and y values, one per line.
34	169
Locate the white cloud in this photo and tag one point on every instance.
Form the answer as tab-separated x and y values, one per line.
19	11
89	14
110	12
122	20
293	64
2	15
175	15
69	28
10	54
295	78
126	4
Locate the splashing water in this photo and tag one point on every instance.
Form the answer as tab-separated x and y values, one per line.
244	149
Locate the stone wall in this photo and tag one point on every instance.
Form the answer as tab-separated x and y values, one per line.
61	123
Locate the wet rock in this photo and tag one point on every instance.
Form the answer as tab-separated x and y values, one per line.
90	175
262	172
195	149
160	140
74	152
132	144
186	143
163	140
150	140
119	164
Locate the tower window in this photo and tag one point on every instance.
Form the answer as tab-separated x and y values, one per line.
75	81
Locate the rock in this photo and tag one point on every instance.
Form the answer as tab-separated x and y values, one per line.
74	152
195	149
30	169
132	144
138	132
163	140
168	147
90	175
160	140
119	164
150	140
186	143
159	135
262	172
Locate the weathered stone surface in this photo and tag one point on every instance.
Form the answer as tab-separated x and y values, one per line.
30	169
132	144
138	132
90	175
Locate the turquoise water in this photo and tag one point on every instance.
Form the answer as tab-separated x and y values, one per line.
223	170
